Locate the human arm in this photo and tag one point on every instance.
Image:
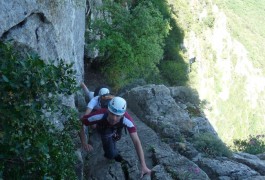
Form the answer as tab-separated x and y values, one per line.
140	153
88	111
90	94
87	120
83	86
91	105
85	145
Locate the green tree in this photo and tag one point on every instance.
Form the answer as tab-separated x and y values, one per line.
174	72
251	145
31	145
210	145
131	42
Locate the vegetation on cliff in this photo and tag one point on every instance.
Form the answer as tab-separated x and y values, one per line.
34	143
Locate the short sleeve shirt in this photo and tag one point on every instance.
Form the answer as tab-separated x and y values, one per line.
93	103
97	116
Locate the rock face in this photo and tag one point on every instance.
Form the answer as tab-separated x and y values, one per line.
53	29
163	115
172	110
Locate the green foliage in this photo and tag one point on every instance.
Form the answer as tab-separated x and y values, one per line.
245	23
174	72
209	20
210	145
179	17
194	111
252	145
234	98
162	6
32	146
131	42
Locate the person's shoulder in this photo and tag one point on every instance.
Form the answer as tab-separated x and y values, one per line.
128	116
95	98
100	111
96	113
129	123
92	103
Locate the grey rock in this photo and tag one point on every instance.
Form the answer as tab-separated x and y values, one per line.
251	160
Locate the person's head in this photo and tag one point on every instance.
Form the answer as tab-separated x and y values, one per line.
103	91
117	108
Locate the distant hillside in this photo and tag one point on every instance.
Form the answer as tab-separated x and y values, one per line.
246	23
227	40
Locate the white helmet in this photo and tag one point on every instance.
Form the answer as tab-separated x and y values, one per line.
103	91
117	106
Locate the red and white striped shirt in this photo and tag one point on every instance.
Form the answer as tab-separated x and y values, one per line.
97	116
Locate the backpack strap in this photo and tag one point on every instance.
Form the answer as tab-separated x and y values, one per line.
125	128
121	125
102	128
118	130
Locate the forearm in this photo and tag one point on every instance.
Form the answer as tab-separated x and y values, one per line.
88	111
85	89
139	149
140	153
82	135
84	143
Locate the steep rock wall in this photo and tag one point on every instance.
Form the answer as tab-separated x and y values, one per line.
53	29
162	115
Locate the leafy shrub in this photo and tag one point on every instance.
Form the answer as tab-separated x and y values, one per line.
131	43
194	111
31	145
211	145
252	145
174	72
209	20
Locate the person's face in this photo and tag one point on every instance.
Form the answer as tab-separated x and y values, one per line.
113	118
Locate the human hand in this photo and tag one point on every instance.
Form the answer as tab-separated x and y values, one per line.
145	171
87	147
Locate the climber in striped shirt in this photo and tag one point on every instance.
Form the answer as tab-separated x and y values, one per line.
110	123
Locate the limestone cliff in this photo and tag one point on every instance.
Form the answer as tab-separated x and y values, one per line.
52	29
